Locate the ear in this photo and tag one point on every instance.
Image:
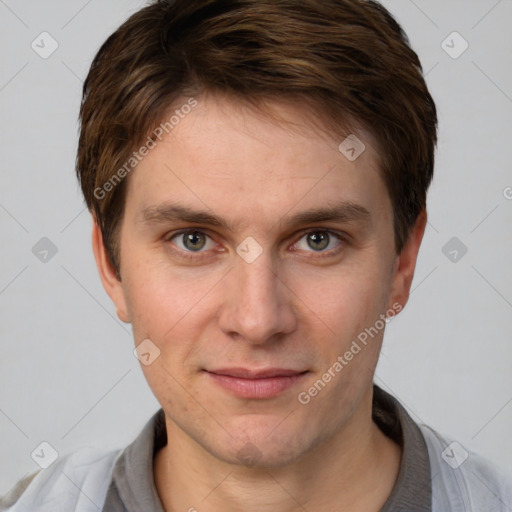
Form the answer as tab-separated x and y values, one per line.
111	283
405	263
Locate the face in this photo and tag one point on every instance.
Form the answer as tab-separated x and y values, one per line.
253	256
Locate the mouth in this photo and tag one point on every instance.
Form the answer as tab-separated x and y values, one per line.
256	384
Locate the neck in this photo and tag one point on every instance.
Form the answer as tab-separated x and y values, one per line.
355	470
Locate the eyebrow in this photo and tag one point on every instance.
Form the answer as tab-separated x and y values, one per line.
171	212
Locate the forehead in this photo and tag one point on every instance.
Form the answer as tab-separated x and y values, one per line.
231	159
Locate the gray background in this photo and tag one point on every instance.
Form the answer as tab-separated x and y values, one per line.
67	372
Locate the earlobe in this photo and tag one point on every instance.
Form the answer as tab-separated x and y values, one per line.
405	263
108	275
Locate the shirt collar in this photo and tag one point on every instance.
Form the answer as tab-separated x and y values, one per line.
412	491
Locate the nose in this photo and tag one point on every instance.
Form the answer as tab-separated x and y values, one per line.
257	305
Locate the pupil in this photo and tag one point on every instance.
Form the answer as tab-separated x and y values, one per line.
318	241
193	238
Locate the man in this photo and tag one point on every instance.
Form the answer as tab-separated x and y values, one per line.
257	174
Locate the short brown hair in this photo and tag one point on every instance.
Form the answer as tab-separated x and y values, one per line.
349	59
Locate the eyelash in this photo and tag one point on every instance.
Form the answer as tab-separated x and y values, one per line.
343	239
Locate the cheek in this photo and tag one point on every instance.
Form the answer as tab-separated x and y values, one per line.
344	300
168	305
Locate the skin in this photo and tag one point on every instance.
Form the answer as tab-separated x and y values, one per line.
299	305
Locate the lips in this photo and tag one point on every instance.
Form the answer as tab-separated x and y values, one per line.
244	373
256	384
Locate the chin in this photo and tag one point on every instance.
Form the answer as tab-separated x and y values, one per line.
265	446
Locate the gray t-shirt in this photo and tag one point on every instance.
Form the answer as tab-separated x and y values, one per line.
132	488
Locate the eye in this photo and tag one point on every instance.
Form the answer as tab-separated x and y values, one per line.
319	241
192	241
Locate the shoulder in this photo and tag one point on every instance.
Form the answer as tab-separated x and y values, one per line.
77	481
464	480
